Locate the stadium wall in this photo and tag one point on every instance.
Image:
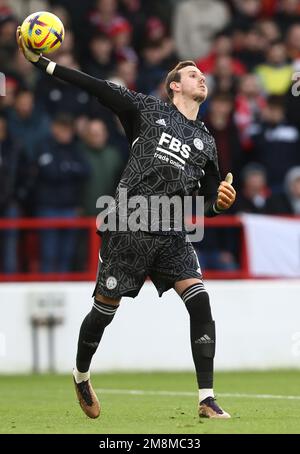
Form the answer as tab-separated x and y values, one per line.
258	325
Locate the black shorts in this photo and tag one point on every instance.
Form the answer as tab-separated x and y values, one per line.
127	258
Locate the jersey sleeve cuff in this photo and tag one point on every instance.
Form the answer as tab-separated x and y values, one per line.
45	65
216	210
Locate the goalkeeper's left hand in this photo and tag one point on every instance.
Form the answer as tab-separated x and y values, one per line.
226	193
28	54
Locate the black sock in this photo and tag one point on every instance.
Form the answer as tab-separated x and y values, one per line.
202	333
91	332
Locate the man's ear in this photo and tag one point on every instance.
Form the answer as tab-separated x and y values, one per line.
174	86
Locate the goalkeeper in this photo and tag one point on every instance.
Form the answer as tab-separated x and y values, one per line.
171	153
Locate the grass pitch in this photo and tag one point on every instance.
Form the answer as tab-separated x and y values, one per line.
151	403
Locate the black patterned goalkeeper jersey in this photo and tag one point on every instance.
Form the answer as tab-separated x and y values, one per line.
169	154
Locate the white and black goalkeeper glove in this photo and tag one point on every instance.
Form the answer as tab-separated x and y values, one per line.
28	54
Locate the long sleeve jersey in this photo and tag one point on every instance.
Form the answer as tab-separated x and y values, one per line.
169	154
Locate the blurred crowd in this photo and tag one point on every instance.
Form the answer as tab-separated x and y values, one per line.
60	149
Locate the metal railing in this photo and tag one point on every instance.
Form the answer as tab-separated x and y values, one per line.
94	242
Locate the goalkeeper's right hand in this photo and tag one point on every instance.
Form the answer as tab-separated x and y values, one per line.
28	54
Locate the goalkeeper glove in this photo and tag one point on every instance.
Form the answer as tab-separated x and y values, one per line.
28	54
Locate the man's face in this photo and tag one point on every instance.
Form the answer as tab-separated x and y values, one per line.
192	84
96	134
63	134
255	182
24	104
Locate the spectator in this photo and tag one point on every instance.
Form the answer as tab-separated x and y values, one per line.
120	33
102	16
155	30
126	73
105	162
58	96
60	172
157	35
77	11
288	201
10	154
22	9
8	47
269	30
293	42
276	73
288	14
163	10
254	190
152	69
134	12
223	79
249	103
26	122
220	123
276	143
245	13
222	45
24	72
252	48
5	9
100	61
217	249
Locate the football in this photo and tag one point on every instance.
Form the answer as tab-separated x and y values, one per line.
42	32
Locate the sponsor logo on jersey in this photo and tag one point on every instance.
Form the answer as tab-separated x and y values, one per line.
172	150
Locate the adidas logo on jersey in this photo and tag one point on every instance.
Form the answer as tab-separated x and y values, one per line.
161	122
204	340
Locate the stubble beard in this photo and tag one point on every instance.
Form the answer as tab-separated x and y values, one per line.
199	99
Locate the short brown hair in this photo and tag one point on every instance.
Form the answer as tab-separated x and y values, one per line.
174	76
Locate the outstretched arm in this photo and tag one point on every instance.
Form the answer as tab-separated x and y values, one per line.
110	95
118	99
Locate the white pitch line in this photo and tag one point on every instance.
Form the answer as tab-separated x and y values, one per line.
137	392
259	396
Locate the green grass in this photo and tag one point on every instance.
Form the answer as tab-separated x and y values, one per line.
46	404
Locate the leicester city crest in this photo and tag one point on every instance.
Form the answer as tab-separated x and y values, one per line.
111	282
198	144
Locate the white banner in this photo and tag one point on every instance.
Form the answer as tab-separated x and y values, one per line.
273	245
